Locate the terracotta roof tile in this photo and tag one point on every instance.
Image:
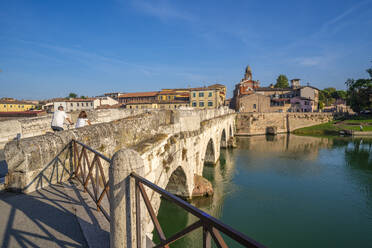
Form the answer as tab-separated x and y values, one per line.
139	94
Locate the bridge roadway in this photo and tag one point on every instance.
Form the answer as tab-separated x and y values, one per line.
60	215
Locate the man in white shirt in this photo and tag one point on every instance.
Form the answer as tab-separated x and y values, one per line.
59	118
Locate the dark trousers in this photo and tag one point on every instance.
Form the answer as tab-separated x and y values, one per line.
56	129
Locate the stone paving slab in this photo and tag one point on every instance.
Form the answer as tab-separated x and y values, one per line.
45	218
94	225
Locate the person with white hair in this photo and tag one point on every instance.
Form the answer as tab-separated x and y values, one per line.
59	118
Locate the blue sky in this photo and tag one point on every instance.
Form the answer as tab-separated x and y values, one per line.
51	48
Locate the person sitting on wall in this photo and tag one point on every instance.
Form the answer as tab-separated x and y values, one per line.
59	118
82	120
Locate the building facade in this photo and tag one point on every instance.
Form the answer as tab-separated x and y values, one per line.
254	103
246	86
12	105
208	97
77	104
296	98
138	97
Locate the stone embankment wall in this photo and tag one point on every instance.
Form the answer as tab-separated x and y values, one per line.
261	123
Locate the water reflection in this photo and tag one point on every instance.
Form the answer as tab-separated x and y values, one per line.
288	191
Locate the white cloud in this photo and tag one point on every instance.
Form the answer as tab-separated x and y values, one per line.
309	61
161	9
343	15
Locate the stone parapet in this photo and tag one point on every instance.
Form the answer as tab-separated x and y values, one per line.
35	162
30	127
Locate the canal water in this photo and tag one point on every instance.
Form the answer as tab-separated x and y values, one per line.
287	191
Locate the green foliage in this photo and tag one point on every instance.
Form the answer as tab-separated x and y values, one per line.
83	97
72	95
328	96
334	127
321	105
282	81
359	92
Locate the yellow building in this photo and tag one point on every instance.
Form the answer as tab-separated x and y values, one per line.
11	105
208	97
168	95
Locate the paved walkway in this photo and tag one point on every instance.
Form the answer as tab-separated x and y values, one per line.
56	216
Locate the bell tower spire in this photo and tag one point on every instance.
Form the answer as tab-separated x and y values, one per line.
248	73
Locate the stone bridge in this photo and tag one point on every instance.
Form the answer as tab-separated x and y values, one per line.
167	147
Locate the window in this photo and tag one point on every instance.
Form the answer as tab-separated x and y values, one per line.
210	104
10	105
194	103
169	97
209	94
23	106
175	106
72	104
201	104
193	94
254	106
4	106
77	104
201	94
91	104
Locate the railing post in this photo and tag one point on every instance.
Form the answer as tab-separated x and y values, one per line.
206	238
123	231
138	215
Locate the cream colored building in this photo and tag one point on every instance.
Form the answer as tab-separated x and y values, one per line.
77	104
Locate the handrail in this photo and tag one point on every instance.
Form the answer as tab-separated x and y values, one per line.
83	172
92	150
84	169
209	223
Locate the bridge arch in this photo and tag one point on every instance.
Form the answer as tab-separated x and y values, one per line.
223	140
230	131
177	183
210	153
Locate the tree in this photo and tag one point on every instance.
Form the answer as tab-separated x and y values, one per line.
359	92
321	105
339	94
83	97
72	95
282	81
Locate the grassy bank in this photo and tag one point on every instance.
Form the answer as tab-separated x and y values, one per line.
334	127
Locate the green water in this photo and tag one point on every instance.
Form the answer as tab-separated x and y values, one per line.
288	191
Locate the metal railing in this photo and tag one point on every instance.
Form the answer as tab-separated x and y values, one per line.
211	226
84	169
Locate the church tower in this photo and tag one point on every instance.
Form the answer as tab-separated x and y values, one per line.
248	73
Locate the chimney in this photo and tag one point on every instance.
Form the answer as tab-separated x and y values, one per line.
295	83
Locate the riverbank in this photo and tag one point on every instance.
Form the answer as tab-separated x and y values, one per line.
354	126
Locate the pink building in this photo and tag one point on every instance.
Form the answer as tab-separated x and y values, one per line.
302	104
